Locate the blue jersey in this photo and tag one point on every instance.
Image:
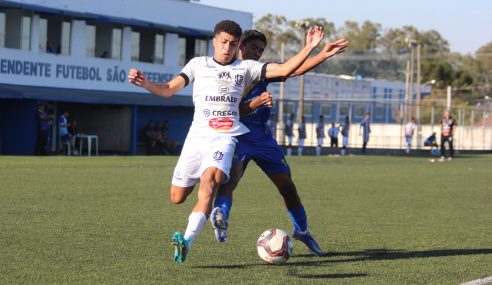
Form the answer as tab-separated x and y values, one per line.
259	144
256	121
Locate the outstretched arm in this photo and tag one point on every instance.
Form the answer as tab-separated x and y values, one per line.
264	99
330	49
313	38
165	90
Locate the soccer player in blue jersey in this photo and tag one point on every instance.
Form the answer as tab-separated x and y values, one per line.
260	146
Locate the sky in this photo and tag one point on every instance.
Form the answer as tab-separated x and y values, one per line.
466	25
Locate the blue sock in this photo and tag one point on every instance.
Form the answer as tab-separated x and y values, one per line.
299	219
224	202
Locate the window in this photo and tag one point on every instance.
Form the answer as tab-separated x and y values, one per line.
26	33
65	38
201	47
359	112
2	29
308	109
43	34
182	50
116	36
159	49
343	111
90	39
379	112
135	46
326	111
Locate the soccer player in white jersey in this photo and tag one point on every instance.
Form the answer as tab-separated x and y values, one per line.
219	83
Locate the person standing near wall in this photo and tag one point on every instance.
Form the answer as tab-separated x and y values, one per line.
345	134
302	136
410	128
289	133
320	134
448	127
365	127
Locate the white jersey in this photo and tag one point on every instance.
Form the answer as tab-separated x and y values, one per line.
217	92
410	128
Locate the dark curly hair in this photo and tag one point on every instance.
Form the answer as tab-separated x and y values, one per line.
228	26
251	35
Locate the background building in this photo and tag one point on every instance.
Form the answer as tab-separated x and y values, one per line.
75	55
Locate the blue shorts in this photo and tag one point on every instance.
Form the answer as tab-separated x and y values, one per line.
263	150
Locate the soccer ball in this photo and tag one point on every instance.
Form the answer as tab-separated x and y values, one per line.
274	246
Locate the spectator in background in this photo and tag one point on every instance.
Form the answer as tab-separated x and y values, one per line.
65	136
333	134
73	131
105	54
320	134
448	127
271	125
365	127
49	48
409	131
43	123
345	134
302	135
289	133
149	137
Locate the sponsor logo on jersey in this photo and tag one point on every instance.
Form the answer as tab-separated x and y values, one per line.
226	113
224	75
238	79
228	99
206	112
218	155
223	90
221	123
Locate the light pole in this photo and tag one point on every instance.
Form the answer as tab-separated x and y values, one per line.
304	25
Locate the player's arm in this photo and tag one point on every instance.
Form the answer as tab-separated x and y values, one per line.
313	38
165	90
264	99
329	50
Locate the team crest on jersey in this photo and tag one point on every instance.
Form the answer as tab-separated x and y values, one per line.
238	79
221	123
224	75
223	90
218	155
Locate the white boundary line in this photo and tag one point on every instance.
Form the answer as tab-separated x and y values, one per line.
483	281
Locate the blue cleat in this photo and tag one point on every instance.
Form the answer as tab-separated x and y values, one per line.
309	241
180	247
219	223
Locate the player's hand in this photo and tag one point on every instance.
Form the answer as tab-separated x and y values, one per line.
266	99
314	36
333	48
137	78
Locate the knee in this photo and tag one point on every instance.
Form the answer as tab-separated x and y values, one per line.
177	198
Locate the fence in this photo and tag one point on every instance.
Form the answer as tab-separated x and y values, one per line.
473	124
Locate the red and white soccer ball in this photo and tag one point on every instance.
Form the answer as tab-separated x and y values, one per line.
274	246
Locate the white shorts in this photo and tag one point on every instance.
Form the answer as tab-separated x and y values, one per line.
345	141
289	139
300	142
200	153
320	141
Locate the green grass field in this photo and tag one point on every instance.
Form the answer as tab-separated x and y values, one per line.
381	220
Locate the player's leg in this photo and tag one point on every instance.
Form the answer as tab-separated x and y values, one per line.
214	169
443	148
272	161
297	213
300	147
219	217
451	148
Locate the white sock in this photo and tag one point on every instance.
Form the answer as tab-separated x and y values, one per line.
318	151
289	152
299	151
196	221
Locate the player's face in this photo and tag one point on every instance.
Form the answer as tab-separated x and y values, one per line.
225	46
252	50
